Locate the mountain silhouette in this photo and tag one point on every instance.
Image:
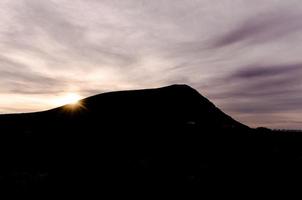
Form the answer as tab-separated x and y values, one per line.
179	105
138	139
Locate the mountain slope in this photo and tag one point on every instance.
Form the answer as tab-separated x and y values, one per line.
135	139
176	104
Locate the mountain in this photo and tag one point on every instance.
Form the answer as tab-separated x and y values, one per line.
138	139
175	105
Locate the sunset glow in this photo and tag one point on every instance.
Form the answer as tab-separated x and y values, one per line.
67	99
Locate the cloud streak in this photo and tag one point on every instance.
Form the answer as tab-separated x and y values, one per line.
256	90
261	28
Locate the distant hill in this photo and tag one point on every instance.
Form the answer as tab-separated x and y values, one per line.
176	104
138	139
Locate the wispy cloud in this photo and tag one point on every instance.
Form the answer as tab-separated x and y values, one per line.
262	28
257	90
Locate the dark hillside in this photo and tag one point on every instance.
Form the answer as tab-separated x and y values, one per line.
140	139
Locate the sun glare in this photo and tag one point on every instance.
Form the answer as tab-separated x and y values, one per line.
68	99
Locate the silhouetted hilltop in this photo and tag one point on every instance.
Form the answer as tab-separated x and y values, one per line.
138	139
179	104
176	106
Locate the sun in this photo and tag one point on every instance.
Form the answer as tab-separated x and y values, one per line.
68	99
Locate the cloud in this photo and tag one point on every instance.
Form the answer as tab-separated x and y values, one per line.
262	28
18	78
260	71
258	81
45	28
261	90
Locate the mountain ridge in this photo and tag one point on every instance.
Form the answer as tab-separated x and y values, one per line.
184	95
137	139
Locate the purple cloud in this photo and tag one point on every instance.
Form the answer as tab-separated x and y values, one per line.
261	28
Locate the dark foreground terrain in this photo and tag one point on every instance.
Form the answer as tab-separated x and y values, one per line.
146	140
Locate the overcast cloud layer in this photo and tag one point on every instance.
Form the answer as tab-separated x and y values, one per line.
245	56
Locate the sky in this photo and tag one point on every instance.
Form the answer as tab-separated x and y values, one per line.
245	56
